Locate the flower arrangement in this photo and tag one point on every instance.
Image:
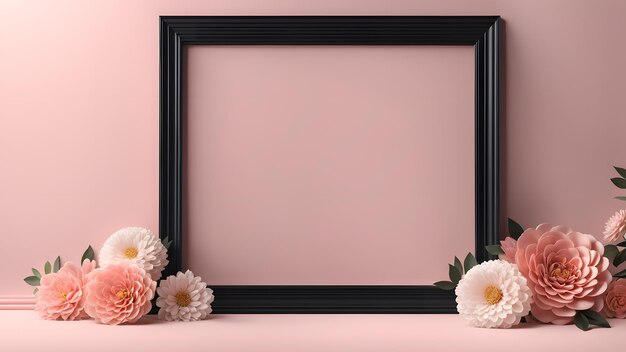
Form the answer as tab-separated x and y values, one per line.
550	274
120	290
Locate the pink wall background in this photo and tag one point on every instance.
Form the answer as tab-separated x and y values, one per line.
328	165
79	107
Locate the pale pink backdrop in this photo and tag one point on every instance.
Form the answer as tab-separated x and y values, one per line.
328	165
79	107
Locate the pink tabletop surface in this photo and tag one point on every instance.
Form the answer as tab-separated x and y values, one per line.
24	331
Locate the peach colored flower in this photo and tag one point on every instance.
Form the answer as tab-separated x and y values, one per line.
119	293
615	300
62	294
509	246
615	227
566	271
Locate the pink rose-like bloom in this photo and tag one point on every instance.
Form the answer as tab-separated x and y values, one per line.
566	272
509	246
615	300
61	295
615	227
119	293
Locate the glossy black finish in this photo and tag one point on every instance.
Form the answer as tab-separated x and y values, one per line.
480	31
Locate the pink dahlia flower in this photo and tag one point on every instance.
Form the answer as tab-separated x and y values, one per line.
566	272
119	293
615	300
509	246
62	294
615	227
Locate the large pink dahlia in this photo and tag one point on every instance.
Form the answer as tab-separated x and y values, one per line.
62	294
119	293
566	271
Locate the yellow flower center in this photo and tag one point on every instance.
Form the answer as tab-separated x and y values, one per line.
130	252
121	294
63	295
183	299
561	273
492	295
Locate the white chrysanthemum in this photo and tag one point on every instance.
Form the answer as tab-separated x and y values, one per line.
137	245
493	294
615	227
184	297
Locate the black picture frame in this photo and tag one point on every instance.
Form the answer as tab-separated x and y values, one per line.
482	32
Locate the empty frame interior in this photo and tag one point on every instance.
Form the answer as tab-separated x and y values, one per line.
327	165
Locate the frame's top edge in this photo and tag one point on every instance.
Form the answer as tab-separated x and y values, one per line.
322	30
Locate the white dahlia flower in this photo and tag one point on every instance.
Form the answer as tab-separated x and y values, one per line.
493	294
615	227
137	245
184	297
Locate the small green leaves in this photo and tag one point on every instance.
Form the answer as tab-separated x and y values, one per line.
596	318
469	262
166	242
620	171
457	265
89	254
47	268
619	182
454	273
35	291
585	318
494	249
445	285
620	258
611	251
57	265
581	321
32	280
515	229
36	272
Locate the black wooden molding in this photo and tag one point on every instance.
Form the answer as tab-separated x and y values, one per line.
482	32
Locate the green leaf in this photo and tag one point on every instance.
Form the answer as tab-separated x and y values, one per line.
458	265
35	291
494	249
166	242
469	262
620	258
619	182
581	321
610	251
454	273
36	272
620	171
596	319
47	268
620	198
621	244
57	265
32	280
89	254
445	285
515	229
